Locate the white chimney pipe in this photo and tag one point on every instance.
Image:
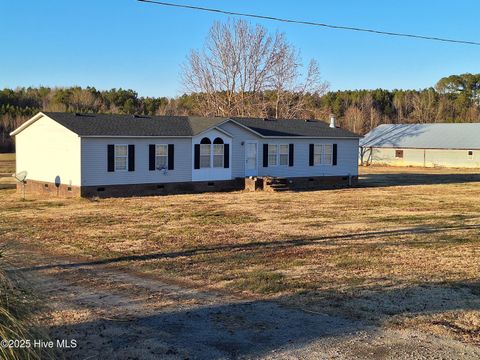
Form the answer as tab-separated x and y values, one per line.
333	120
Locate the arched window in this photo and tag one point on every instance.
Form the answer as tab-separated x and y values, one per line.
218	152
205	150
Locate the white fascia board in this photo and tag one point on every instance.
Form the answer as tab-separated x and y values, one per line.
215	128
27	123
33	120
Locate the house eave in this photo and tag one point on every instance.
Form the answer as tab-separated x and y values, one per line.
27	123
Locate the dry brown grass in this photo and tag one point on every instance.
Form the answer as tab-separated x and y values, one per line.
7	168
394	254
16	311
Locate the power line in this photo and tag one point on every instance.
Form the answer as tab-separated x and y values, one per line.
378	32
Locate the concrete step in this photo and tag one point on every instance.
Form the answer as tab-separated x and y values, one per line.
277	189
278	185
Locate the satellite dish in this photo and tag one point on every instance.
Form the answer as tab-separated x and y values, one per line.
21	176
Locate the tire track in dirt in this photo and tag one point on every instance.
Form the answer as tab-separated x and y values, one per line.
115	313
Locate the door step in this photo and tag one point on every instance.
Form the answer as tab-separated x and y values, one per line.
276	184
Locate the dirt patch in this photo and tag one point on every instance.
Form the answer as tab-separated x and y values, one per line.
113	313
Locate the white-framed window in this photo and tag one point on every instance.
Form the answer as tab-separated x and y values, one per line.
161	156
205	153
284	153
212	154
322	154
218	153
272	154
470	155
328	155
121	157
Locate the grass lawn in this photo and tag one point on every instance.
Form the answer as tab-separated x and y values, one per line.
7	168
396	255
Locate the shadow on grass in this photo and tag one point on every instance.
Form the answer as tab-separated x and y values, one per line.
276	244
251	329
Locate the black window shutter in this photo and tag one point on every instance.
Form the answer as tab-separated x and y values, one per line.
334	160
265	155
196	160
151	157
310	156
131	157
226	156
171	156
290	154
110	157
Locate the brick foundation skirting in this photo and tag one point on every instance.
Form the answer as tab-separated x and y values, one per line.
45	188
255	184
322	182
303	183
163	188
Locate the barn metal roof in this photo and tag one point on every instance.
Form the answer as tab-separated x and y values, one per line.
424	136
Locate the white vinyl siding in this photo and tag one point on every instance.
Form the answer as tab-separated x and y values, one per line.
94	162
347	155
347	159
212	156
47	150
237	148
161	156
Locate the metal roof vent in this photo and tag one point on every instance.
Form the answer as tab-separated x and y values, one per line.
333	121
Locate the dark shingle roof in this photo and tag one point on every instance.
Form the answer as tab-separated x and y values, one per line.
293	127
129	125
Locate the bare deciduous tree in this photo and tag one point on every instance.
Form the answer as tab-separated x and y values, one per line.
244	71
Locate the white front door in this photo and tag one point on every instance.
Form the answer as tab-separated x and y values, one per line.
251	166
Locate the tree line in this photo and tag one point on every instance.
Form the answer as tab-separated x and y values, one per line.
356	110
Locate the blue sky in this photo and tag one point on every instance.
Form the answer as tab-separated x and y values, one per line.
124	43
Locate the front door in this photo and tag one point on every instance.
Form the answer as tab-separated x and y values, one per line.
251	167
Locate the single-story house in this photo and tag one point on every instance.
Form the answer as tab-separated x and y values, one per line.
427	145
73	154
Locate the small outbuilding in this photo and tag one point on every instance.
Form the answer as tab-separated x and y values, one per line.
426	145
